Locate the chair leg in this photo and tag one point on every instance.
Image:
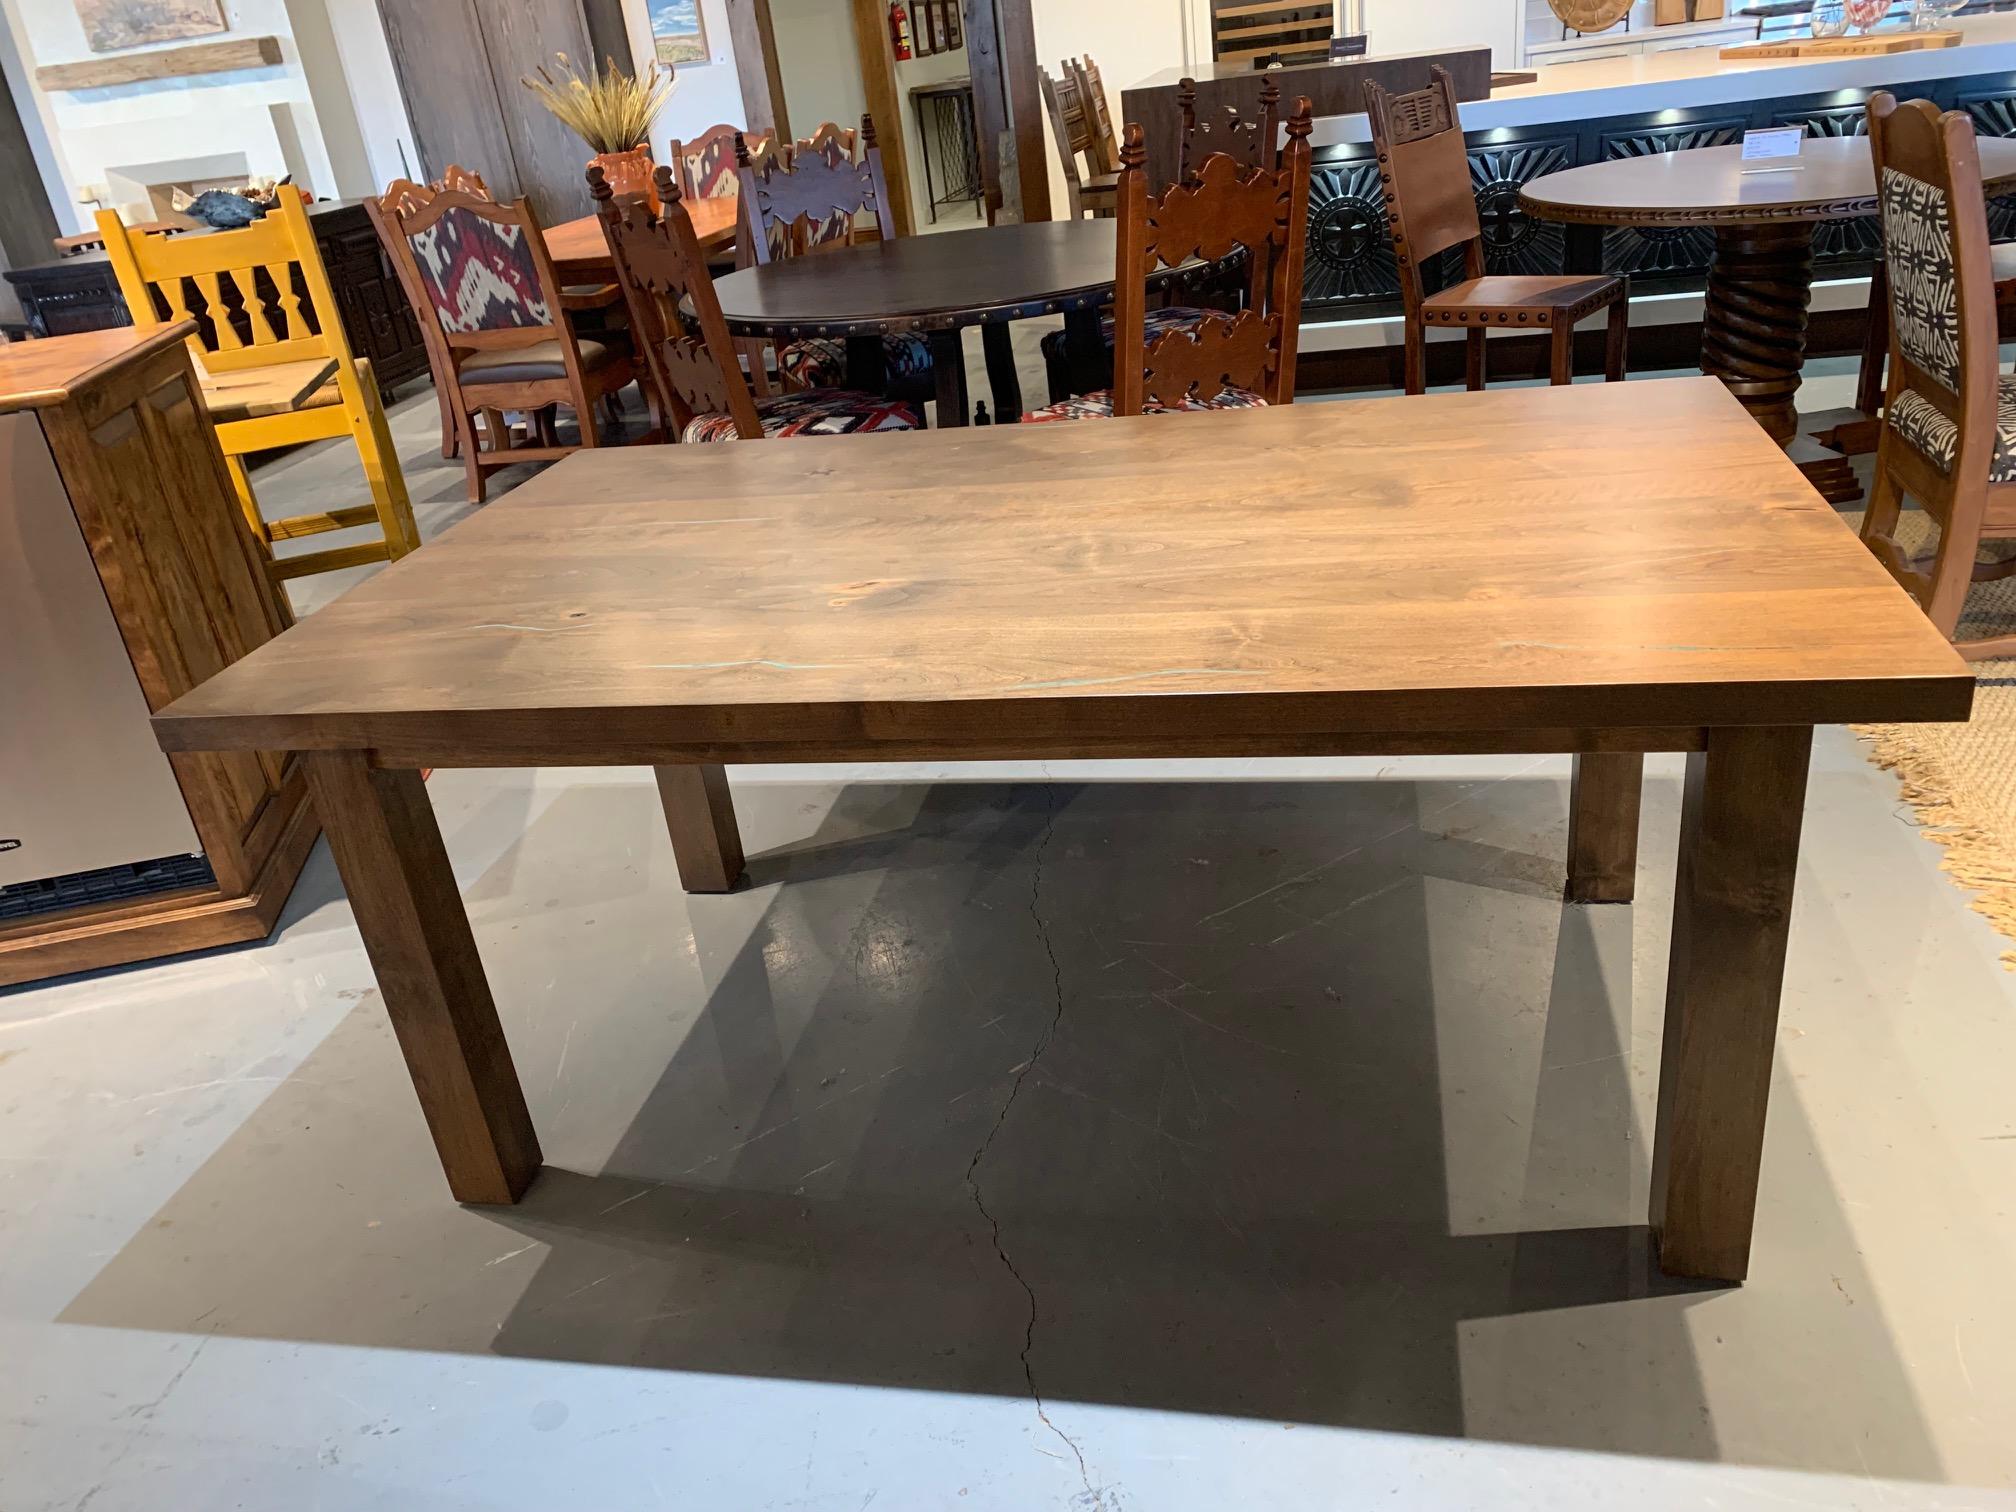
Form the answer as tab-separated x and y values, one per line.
1953	570
451	433
248	502
1417	358
1561	350
1879	520
1875	344
1616	340
472	452
381	470
1473	358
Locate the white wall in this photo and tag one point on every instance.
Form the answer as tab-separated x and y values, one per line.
705	93
92	130
819	64
1408	26
939	66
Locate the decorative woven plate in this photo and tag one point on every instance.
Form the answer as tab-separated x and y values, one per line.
1590	15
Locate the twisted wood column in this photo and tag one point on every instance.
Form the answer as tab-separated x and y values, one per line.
1753	328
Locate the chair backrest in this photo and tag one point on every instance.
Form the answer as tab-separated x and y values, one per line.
1254	143
1077	124
1061	129
1092	85
706	164
260	294
477	268
1430	206
810	201
1943	346
829	135
1226	208
675	314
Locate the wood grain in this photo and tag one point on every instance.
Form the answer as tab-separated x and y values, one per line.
1603	827
581	254
1601	555
162	63
1732	910
388	847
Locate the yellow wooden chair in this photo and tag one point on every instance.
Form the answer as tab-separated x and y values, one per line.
272	381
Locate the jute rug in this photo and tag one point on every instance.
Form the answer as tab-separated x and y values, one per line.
1960	779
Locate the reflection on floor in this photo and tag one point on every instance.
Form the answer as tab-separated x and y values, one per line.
1195	1135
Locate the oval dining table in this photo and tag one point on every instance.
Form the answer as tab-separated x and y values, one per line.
939	284
1753	322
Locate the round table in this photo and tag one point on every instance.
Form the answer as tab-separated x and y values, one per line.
939	284
1753	325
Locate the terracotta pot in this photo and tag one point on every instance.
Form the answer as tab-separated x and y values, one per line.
629	174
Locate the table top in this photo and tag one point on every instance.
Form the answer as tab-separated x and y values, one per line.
1554	561
578	247
948	278
1706	186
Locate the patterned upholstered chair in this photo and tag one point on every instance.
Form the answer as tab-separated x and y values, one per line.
1949	423
706	164
1230	361
1431	211
477	274
700	390
807	203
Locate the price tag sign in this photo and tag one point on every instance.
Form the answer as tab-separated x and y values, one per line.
1765	148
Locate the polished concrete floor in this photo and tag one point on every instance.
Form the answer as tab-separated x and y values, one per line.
1198	1136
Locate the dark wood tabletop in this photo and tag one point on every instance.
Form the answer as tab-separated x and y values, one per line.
1707	186
935	282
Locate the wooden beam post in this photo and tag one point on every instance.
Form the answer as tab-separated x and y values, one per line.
885	104
754	38
1025	107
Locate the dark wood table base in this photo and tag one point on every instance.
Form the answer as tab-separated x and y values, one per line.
1739	843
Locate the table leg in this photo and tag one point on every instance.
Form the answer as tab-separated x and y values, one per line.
701	816
867	373
1603	826
948	363
998	343
1732	907
388	848
1087	362
1753	325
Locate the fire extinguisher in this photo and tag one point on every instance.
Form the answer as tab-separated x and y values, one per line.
899	30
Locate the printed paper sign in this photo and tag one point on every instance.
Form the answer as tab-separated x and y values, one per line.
1772	142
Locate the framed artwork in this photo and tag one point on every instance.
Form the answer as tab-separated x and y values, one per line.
677	31
927	27
110	25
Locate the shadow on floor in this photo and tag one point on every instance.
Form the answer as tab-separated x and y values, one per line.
1230	1098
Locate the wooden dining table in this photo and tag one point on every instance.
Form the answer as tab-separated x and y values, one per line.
1604	569
580	253
1753	320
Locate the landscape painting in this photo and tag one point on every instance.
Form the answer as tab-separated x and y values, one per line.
110	25
677	30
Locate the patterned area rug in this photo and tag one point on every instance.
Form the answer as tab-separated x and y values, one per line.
1960	779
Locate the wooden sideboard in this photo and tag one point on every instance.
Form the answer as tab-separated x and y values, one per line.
80	293
127	577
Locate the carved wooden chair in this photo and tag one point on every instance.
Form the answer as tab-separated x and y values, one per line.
271	322
1089	190
699	387
1949	423
1430	210
829	135
707	165
1098	109
477	272
807	204
1228	361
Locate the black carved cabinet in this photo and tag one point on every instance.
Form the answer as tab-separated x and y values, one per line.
1349	268
81	293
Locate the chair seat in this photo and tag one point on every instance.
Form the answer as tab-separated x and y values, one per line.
1106	184
1169	318
1099	406
1937	438
821	361
1534	302
812	412
259	393
528	364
